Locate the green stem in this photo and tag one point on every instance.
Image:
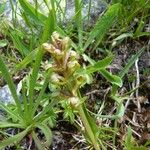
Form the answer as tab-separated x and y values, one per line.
88	127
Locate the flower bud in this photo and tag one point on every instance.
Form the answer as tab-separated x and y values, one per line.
55	35
48	47
81	80
46	65
58	54
66	43
56	41
56	78
73	55
72	66
74	101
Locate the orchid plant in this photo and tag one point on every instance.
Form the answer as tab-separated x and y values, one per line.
69	76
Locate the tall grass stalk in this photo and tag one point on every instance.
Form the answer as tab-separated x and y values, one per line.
79	22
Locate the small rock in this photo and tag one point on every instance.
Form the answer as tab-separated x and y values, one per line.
97	6
5	95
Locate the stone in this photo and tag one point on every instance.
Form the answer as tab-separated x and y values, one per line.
5	95
97	7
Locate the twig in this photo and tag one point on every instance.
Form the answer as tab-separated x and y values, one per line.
137	84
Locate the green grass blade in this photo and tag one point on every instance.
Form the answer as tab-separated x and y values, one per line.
34	76
129	137
143	34
28	59
26	115
49	30
127	67
38	100
26	20
103	25
2	7
9	112
24	50
79	22
32	12
131	62
49	26
11	85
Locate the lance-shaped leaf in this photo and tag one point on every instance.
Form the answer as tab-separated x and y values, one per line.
103	25
30	10
11	85
14	139
47	132
99	65
111	78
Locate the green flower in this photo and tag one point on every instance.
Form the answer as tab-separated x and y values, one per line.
56	78
74	101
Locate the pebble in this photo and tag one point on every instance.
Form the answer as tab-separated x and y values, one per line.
5	95
6	98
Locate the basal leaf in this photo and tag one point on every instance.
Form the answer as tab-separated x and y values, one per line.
5	124
111	78
99	65
37	141
47	132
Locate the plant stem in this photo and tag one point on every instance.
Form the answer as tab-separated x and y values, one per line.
88	127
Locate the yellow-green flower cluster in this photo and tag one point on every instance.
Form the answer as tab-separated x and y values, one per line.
65	59
64	66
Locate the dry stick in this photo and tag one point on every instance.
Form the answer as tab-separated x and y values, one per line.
137	84
128	101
